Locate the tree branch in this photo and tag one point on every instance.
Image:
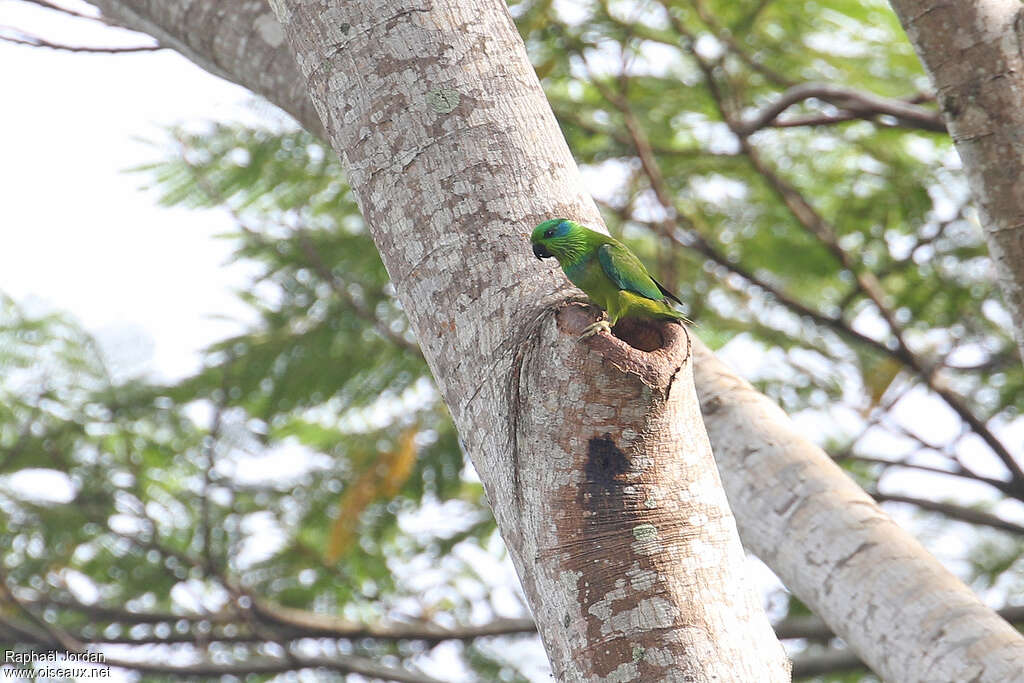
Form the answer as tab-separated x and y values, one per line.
64	10
725	36
325	625
869	285
972	52
831	544
998	484
953	511
298	623
51	638
30	40
856	103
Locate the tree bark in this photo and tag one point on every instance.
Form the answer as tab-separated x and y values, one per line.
624	516
906	616
593	456
795	508
974	53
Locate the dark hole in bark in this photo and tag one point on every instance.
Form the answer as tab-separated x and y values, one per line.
605	462
644	335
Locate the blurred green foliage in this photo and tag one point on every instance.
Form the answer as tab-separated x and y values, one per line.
183	498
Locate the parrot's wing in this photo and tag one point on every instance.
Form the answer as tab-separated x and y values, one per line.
667	293
626	271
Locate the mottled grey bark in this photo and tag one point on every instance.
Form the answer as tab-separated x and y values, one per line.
974	53
906	616
594	457
794	507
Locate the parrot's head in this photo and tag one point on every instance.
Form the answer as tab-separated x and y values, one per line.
558	237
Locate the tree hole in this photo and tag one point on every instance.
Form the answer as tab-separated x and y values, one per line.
643	335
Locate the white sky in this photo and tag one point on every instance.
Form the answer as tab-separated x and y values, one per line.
76	232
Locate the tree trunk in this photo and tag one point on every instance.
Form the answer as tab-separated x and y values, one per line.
796	509
593	456
902	611
974	53
638	574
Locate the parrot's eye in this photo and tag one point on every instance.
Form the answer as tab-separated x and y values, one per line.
549	232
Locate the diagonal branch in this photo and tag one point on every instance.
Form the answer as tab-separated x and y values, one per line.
953	511
866	281
855	103
53	634
64	10
726	37
869	285
1002	486
21	38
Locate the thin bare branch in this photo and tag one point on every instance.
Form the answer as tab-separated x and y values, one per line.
724	36
953	511
22	38
998	484
325	625
262	665
63	10
855	103
55	634
867	282
567	112
297	623
341	291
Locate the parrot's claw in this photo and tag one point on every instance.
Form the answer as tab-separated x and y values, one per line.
594	328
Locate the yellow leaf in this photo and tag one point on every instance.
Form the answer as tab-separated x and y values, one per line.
383	479
878	376
400	463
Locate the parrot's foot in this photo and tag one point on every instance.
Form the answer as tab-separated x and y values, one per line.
594	328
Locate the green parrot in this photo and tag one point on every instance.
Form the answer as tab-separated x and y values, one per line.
607	271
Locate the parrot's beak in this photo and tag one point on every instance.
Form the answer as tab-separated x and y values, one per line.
541	252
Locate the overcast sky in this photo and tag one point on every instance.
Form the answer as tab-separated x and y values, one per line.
77	234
